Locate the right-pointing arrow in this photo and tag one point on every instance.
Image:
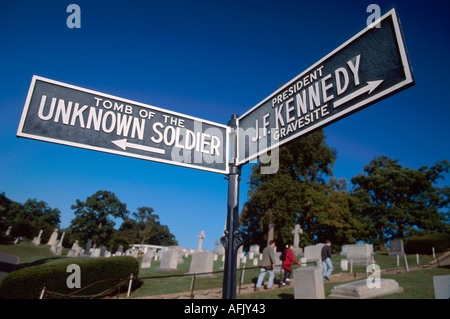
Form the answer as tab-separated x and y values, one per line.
123	144
371	85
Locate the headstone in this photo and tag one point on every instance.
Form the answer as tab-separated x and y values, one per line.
8	231
296	232
17	240
200	240
221	250
441	287
147	259
119	251
75	250
361	290
102	251
308	283
179	249
59	247
95	252
344	250
134	253
53	238
344	265
216	245
360	254
396	248
278	261
202	262
254	249
255	262
169	260
312	253
88	248
37	240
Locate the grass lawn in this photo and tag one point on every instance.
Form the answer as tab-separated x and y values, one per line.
418	284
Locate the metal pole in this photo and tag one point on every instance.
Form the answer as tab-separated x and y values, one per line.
231	239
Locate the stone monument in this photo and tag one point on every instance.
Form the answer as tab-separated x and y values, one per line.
308	283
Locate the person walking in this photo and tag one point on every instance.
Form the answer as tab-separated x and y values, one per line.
267	265
286	264
326	261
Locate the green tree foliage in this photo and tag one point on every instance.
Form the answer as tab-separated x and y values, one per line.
300	193
398	202
28	218
94	217
144	228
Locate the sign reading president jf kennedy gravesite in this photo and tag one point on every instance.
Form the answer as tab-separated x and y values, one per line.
367	68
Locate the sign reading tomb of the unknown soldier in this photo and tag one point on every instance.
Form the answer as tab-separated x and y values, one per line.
65	114
367	68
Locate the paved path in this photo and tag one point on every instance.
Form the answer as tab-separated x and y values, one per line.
8	263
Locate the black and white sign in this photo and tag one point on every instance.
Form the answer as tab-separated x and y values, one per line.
65	114
367	68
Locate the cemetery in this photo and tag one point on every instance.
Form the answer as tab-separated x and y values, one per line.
171	272
370	235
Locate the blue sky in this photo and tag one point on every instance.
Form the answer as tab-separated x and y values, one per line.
208	59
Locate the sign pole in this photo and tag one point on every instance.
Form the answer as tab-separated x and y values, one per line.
231	239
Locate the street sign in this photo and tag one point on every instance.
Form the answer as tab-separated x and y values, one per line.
65	114
366	69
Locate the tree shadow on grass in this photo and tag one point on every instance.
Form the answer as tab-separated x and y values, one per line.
286	296
38	262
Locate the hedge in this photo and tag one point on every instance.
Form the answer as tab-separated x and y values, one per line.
27	283
424	244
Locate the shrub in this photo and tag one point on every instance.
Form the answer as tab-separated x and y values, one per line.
424	244
27	283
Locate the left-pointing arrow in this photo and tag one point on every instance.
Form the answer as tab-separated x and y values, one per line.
123	144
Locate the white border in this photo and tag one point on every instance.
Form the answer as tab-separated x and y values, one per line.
406	67
35	78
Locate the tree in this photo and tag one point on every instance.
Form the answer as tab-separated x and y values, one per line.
146	220
28	218
144	228
94	218
397	202
299	193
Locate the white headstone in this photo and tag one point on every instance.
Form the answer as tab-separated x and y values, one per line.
147	259
312	253
169	260
441	287
360	254
202	262
344	264
361	290
200	240
308	283
37	240
296	232
53	238
59	247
